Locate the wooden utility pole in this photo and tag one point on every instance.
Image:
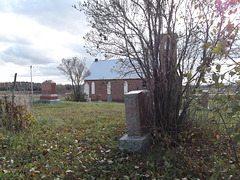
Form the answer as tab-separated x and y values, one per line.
13	88
13	96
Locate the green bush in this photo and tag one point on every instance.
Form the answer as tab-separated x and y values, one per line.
14	117
78	96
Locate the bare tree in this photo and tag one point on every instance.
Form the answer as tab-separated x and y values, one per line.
171	44
76	70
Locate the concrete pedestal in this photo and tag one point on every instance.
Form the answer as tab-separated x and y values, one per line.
50	101
134	144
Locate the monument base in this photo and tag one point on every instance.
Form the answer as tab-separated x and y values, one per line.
49	98
51	101
134	144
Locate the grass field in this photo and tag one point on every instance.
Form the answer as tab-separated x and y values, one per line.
73	140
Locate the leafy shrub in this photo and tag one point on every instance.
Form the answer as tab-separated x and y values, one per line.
78	96
14	117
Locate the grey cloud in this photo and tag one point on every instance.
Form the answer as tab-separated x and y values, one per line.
13	39
48	70
55	14
78	48
22	55
58	14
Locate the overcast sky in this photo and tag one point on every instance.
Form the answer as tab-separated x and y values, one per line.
39	33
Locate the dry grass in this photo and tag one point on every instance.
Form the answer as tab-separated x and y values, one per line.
23	98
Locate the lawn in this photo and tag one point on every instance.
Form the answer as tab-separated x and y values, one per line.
73	140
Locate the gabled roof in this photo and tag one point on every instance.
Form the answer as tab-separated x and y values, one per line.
108	69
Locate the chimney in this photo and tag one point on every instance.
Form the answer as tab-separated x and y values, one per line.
96	60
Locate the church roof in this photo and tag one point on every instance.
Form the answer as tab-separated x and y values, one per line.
108	69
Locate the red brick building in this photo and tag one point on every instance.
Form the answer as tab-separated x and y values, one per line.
104	82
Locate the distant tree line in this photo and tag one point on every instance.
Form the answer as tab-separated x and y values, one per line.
20	86
37	87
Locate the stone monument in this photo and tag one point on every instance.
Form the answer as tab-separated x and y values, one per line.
109	99
138	108
49	94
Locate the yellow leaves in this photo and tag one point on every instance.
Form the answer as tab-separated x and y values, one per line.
218	67
236	31
208	45
215	50
189	75
150	173
204	67
220	48
204	80
209	69
218	136
237	69
37	172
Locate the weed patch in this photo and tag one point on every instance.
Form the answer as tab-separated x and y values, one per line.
14	117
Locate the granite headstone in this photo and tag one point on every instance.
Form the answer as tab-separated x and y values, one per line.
49	94
138	108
